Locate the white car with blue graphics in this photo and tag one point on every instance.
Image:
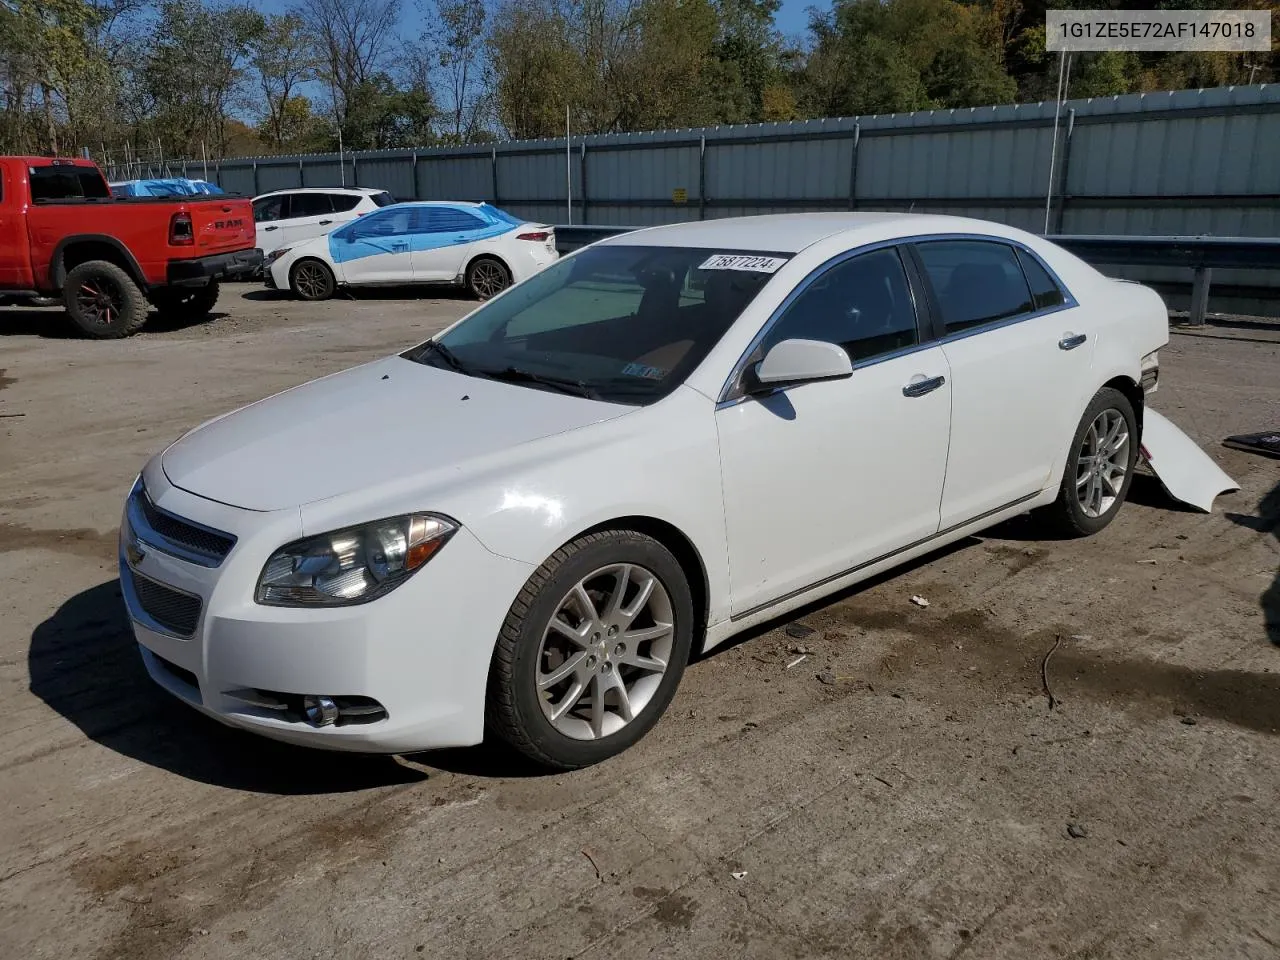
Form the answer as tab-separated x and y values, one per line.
464	244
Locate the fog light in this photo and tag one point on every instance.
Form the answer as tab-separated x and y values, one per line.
320	711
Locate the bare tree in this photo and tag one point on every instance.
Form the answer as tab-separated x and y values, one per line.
456	46
283	57
352	40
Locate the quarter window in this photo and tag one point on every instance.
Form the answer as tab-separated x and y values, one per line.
1044	291
863	305
975	281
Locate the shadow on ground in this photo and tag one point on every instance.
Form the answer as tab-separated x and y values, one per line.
429	292
54	324
1267	521
83	663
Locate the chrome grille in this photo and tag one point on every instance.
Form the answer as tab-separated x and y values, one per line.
182	538
174	610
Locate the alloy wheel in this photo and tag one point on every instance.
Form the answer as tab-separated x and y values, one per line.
310	280
1102	463
604	652
488	279
100	300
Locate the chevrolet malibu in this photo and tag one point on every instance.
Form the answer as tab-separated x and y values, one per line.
527	524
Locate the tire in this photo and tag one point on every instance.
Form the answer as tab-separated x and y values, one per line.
311	279
1082	514
528	650
487	277
103	301
186	302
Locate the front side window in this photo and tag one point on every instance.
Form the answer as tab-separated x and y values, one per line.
268	209
618	323
975	282
863	305
384	223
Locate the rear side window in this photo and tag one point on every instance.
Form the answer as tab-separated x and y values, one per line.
975	281
445	220
268	209
67	183
863	305
342	202
383	199
1045	292
309	205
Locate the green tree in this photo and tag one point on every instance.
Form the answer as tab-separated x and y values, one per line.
283	57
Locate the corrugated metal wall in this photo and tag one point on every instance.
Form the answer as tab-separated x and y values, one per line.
1186	162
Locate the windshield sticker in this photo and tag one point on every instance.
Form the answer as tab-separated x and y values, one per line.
739	261
640	370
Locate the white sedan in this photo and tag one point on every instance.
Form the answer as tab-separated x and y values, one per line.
468	244
527	523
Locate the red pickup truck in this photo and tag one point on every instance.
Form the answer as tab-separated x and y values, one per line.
62	234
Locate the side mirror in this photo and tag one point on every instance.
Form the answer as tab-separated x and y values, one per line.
798	361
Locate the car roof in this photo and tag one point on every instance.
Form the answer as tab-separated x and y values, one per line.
792	232
360	191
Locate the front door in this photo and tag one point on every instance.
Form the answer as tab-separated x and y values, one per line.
822	478
375	248
1020	354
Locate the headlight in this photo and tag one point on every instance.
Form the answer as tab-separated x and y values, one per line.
352	565
275	255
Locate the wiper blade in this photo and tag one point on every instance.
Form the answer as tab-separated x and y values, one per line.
516	375
444	353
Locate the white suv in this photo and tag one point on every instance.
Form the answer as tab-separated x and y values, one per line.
286	217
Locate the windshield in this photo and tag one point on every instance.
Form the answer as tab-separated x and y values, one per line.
616	323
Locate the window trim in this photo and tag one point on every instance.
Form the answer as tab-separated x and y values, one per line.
939	328
731	392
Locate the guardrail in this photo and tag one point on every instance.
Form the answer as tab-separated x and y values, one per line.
1200	254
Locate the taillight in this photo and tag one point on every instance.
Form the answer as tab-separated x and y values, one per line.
539	236
181	233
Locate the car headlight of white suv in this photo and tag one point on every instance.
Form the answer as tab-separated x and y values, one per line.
352	565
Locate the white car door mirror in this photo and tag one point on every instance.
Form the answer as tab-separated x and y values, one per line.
798	361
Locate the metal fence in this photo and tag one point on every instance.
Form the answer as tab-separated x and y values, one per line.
1194	162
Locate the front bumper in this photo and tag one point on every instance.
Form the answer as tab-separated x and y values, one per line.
201	270
421	652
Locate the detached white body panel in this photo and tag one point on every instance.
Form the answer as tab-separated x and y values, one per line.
776	497
1184	470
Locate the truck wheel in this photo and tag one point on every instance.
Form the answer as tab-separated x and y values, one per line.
311	279
103	301
186	302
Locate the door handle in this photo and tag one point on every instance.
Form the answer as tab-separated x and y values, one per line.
1072	340
918	388
325	223
269	229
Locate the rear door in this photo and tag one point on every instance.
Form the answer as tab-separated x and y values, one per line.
310	216
442	237
345	208
1020	355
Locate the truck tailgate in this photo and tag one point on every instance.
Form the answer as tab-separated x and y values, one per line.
221	224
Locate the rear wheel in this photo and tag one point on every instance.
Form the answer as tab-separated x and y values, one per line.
1099	466
591	651
103	301
185	302
487	277
312	280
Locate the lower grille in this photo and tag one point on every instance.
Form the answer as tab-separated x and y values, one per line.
174	610
180	673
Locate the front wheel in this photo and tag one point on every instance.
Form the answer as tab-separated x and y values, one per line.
312	280
591	651
1099	466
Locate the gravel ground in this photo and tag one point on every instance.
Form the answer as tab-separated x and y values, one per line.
921	799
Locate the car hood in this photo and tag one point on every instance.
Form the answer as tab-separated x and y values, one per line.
386	420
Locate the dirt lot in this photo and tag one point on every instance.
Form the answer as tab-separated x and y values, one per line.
918	806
